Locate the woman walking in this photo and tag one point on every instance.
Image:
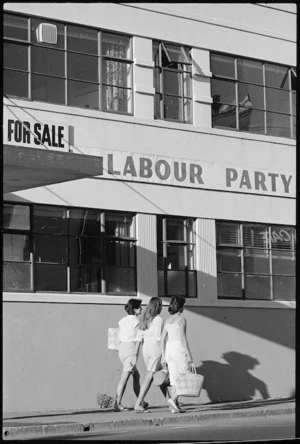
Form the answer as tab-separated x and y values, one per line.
175	349
151	327
128	351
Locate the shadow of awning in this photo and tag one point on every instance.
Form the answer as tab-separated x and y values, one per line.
25	168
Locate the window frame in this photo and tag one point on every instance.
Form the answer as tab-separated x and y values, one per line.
268	250
165	242
33	234
237	81
66	79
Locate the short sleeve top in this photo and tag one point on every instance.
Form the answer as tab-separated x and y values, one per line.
153	333
128	328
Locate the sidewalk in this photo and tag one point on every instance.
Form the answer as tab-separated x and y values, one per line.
107	420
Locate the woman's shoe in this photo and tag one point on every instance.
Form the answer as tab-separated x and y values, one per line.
173	406
121	408
141	410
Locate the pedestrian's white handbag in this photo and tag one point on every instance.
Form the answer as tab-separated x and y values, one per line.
113	342
189	384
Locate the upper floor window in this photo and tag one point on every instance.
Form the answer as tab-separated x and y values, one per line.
176	257
67	64
256	261
172	82
48	248
253	96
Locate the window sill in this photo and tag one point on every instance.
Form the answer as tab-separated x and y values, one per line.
233	303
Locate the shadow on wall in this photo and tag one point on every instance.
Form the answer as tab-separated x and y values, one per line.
231	381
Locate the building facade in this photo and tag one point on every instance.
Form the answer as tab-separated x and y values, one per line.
149	150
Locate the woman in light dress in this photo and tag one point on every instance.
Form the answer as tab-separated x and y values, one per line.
128	351
151	327
175	349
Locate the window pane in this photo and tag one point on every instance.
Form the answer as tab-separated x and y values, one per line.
294	103
85	279
257	261
60	33
82	67
82	40
230	285
15	84
284	288
225	117
228	233
120	280
284	262
16	247
283	238
119	253
177	54
176	283
84	222
222	65
116	73
257	287
252	120
16	217
15	27
160	259
278	125
15	56
50	249
173	108
116	99
119	225
161	282
115	46
85	250
175	257
187	85
48	89
172	83
83	95
250	71
192	275
251	96
277	76
256	236
16	276
294	127
50	220
50	277
229	260
48	61
278	100
175	229
223	92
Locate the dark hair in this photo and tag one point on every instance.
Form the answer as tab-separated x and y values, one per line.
153	309
175	305
132	305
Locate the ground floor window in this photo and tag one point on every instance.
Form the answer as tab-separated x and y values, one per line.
256	261
47	248
176	256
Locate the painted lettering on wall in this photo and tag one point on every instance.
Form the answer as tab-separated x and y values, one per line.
257	180
35	133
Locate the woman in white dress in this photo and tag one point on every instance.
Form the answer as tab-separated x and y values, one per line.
128	351
175	349
151	327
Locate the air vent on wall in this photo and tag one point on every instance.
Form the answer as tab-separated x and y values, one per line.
46	33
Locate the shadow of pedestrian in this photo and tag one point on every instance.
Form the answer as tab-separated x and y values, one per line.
232	381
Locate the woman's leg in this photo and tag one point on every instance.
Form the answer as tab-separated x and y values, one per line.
144	389
120	389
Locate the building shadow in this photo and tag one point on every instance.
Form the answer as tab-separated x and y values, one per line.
232	381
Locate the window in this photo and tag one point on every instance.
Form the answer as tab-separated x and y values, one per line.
172	82
256	261
253	96
176	257
68	249
85	68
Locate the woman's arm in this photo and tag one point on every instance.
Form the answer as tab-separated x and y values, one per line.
182	324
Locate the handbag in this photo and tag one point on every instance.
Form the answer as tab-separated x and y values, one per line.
161	377
189	384
113	342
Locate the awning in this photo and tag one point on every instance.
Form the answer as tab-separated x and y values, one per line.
25	168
